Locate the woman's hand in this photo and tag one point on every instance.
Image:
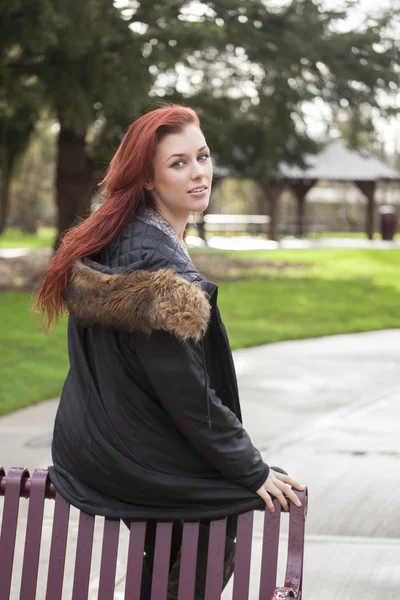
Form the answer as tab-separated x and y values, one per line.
279	485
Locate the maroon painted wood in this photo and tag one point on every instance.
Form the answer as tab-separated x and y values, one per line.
109	555
162	551
26	485
11	490
135	560
215	560
187	573
294	565
241	576
58	548
269	560
17	483
33	535
83	557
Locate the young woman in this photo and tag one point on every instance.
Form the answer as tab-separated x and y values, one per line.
149	422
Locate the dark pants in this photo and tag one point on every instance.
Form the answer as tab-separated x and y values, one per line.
176	541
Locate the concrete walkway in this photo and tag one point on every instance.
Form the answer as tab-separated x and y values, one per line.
328	411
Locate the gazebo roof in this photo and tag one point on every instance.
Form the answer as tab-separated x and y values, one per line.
337	162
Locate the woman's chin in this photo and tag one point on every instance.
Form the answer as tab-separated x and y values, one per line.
200	205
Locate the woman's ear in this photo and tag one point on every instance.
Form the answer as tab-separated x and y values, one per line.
148	185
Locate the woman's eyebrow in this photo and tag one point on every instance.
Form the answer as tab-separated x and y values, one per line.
184	154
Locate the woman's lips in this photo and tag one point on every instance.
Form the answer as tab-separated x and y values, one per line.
201	192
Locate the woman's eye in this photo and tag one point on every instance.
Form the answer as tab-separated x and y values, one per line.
178	163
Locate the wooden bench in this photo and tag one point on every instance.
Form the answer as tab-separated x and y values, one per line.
37	488
224	223
310	224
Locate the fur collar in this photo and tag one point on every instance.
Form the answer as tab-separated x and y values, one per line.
137	301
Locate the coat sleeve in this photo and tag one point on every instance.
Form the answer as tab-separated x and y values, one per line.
176	372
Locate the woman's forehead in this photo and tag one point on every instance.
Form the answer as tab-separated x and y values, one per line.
189	140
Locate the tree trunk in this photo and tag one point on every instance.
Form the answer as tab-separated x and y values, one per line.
273	190
74	182
5	180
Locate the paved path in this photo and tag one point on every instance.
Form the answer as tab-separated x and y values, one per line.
328	411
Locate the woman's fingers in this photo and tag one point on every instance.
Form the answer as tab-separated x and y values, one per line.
267	499
279	496
279	489
291	495
280	486
289	480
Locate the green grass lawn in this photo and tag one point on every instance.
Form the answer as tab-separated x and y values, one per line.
346	234
342	291
33	365
14	238
337	291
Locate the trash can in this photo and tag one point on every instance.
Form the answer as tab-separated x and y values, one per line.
388	222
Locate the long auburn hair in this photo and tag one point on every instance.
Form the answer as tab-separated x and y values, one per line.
124	193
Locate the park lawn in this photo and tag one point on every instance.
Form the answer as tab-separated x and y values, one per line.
33	365
340	291
15	238
337	291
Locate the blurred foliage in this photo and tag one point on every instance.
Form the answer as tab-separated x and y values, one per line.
32	187
246	67
26	29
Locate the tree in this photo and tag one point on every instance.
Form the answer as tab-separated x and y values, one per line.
26	28
17	125
289	56
250	68
32	187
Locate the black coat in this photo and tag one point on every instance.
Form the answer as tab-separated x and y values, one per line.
149	422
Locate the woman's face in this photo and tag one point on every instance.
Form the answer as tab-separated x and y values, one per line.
183	173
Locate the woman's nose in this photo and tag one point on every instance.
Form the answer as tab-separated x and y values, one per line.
197	170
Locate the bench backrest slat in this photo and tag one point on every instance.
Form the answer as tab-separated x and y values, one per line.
108	564
9	526
33	535
215	560
294	564
269	559
187	573
241	576
83	557
162	551
135	560
58	549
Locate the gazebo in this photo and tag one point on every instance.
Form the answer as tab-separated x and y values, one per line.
337	163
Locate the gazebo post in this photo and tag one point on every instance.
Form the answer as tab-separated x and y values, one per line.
368	189
300	188
273	190
336	162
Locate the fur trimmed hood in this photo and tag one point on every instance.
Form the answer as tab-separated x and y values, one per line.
138	301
